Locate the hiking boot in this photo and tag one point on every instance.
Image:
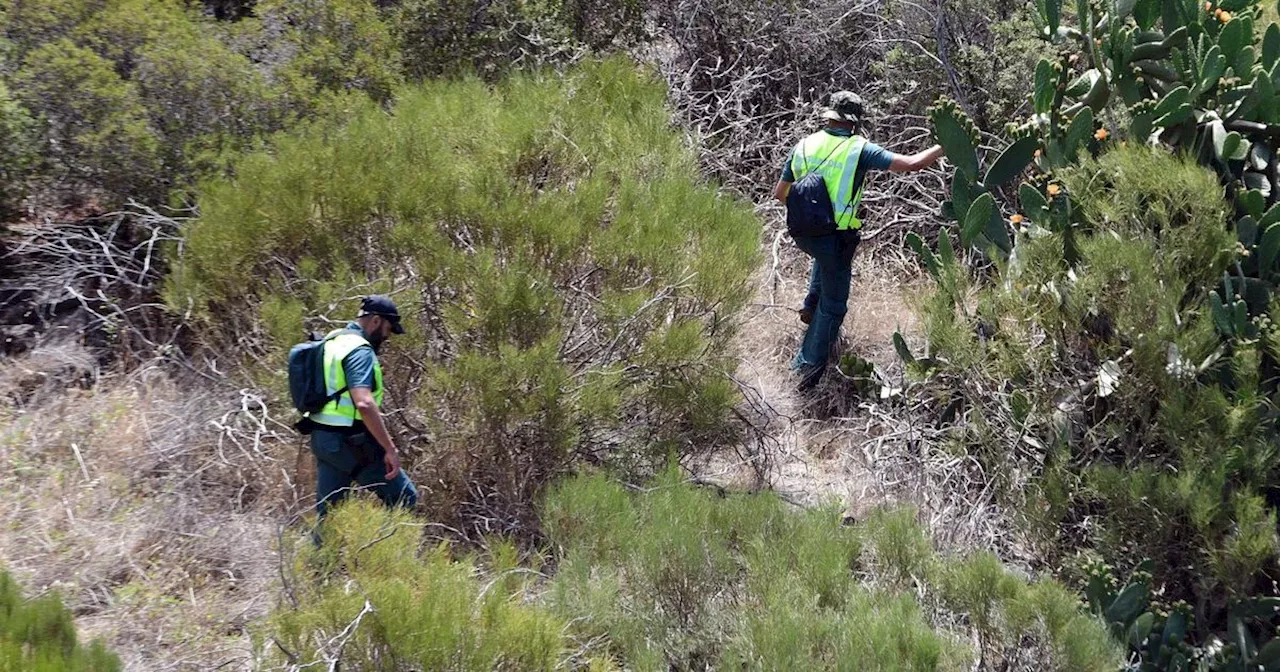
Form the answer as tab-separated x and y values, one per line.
809	377
806	315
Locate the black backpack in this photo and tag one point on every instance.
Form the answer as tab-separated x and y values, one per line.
809	210
306	376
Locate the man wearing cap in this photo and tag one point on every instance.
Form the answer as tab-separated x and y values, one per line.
348	436
844	158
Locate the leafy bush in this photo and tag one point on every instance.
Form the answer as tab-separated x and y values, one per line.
338	46
97	127
17	136
1151	429
672	576
570	282
439	37
39	636
133	97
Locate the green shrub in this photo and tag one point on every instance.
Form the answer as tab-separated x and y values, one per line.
1153	432
18	138
670	576
95	125
397	609
39	636
134	97
339	46
202	97
773	588
29	24
1147	194
569	281
490	38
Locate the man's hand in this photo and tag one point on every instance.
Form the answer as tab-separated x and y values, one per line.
372	417
392	462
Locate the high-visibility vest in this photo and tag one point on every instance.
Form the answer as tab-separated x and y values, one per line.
836	158
342	412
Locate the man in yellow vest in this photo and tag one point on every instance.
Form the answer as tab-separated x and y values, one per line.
843	158
348	437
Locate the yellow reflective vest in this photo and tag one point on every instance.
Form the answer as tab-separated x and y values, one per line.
836	158
342	412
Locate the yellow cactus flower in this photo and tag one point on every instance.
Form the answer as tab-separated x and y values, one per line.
1054	190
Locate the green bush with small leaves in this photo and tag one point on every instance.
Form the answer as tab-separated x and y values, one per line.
130	98
338	47
671	576
38	635
570	285
97	128
488	39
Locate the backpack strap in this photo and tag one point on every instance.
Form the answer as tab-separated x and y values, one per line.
854	198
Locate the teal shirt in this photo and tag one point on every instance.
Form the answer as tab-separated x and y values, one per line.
358	366
329	443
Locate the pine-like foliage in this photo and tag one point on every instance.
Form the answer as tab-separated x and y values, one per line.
570	283
39	636
674	577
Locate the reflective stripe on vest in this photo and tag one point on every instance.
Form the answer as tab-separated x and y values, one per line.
342	411
836	158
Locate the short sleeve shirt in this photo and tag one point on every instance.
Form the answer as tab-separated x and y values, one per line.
874	157
358	366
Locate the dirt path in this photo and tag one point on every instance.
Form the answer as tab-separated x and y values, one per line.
828	440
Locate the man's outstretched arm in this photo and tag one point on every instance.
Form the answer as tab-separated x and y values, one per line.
918	161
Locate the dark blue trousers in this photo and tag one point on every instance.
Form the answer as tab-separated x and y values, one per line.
342	460
828	299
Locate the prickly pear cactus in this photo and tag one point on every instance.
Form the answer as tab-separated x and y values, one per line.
1158	632
972	204
1192	75
862	374
1197	77
958	135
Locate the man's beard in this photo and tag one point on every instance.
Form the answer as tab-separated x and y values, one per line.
376	339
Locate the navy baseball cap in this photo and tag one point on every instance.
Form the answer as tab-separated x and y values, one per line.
384	306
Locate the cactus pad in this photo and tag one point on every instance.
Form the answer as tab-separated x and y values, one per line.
956	132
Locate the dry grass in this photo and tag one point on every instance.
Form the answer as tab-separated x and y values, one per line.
862	453
821	436
147	505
